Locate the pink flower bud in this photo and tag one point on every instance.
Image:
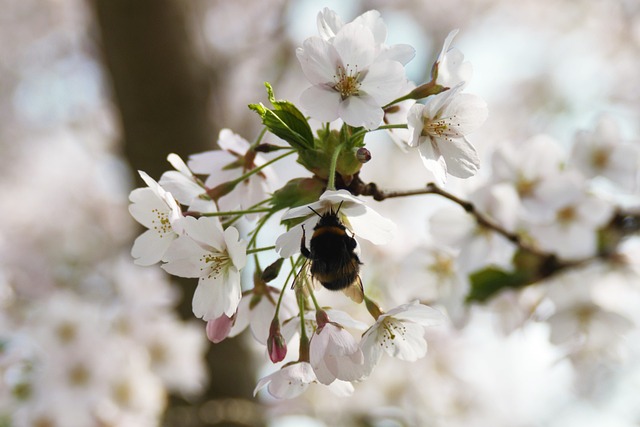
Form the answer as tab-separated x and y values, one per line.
218	329
363	155
276	345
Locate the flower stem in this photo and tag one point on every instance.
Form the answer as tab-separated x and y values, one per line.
256	250
241	212
259	168
383	127
331	183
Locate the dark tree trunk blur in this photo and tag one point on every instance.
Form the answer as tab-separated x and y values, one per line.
161	89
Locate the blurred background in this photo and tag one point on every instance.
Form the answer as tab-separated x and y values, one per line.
93	90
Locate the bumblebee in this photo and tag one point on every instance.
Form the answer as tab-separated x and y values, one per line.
332	256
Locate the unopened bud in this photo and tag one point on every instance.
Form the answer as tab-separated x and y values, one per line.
276	345
363	155
218	329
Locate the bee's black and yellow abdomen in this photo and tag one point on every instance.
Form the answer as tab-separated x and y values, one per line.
334	262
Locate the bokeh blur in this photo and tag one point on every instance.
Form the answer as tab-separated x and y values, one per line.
93	90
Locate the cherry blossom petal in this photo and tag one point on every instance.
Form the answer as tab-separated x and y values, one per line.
150	247
384	81
461	157
236	248
355	46
318	59
361	110
321	102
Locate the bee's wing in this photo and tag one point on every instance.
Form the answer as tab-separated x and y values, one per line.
304	279
355	291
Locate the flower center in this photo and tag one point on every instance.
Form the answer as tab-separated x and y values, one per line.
391	328
347	82
566	215
436	127
214	263
161	224
600	158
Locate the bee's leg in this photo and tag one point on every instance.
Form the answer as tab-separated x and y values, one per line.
303	248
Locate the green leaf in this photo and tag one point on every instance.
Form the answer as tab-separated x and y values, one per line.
487	282
297	192
285	121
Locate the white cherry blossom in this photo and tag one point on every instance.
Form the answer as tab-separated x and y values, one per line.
400	333
289	381
356	216
334	352
216	257
157	210
439	128
351	80
603	152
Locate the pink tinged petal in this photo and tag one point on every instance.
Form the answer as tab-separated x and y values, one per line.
260	319
433	161
318	59
461	157
355	46
150	247
447	44
454	70
288	382
321	102
218	329
236	248
385	81
361	110
207	231
232	142
152	183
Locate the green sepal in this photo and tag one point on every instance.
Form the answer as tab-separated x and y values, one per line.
285	121
272	271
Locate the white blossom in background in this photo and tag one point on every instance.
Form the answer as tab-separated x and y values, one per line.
289	381
478	245
157	210
572	233
452	68
531	168
352	78
439	130
602	152
213	255
229	163
400	333
354	213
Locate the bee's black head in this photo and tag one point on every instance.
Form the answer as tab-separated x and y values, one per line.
329	218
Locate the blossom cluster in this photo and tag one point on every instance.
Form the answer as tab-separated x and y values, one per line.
537	215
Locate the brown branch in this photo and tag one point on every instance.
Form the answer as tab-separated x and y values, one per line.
358	187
